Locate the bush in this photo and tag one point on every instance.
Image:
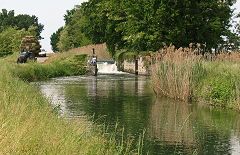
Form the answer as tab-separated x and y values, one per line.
4	53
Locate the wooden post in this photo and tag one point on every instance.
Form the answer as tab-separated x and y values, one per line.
95	68
95	65
136	65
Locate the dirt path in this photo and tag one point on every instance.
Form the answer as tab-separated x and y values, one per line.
41	59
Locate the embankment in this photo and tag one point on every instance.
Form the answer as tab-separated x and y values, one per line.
100	50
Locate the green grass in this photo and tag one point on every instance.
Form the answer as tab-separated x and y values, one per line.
74	65
220	85
29	124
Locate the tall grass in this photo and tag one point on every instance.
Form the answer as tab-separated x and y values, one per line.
29	124
173	72
182	75
220	85
100	50
73	65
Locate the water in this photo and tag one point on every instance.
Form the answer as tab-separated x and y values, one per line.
170	127
108	68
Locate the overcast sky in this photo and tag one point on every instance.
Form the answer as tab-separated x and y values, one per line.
49	12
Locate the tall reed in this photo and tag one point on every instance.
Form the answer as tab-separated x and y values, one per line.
172	72
183	75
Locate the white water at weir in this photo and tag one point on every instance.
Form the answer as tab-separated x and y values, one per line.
108	68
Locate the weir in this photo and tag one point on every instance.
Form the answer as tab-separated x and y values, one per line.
108	67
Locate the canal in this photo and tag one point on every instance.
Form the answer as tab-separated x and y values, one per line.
167	126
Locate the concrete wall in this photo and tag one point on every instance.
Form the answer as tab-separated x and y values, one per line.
129	66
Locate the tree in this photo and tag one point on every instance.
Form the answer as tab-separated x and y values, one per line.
22	21
55	37
147	24
64	43
10	40
26	21
7	18
69	15
103	18
72	35
153	22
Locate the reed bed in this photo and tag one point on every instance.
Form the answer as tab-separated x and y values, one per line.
172	72
232	56
183	75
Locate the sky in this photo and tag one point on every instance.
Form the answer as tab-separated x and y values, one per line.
49	12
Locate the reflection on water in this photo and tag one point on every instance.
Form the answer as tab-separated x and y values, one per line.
171	127
170	123
56	95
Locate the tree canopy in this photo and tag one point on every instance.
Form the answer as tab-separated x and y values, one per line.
147	25
71	35
14	28
22	21
55	39
10	40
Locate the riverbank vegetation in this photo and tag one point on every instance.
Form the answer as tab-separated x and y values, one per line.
61	66
181	74
31	126
150	26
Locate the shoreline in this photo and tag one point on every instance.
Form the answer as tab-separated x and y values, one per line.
30	124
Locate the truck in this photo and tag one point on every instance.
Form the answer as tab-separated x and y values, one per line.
29	49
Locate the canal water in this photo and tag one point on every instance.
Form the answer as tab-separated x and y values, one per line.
167	126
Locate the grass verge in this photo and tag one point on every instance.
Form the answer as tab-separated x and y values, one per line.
70	66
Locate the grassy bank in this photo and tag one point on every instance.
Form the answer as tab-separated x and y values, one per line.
61	66
180	74
29	124
220	86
